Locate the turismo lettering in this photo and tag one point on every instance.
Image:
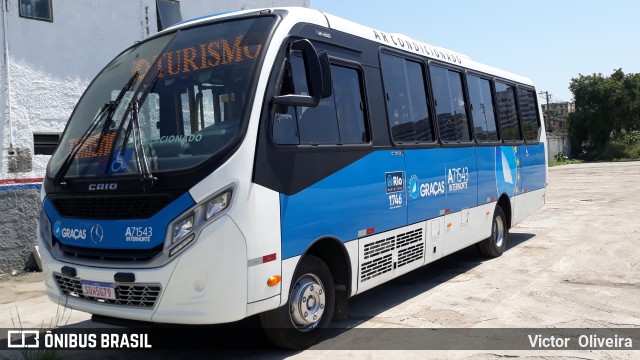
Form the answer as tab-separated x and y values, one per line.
204	56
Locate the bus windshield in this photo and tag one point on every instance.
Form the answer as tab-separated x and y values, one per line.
166	104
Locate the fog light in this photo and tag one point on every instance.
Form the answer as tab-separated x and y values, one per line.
182	244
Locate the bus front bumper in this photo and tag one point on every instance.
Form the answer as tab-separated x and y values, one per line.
205	284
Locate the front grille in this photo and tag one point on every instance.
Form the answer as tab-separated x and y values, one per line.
110	207
109	254
136	295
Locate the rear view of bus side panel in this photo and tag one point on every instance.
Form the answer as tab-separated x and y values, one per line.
531	195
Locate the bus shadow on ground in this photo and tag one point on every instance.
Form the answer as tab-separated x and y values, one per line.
246	338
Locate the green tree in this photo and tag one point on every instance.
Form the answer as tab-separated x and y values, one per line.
605	107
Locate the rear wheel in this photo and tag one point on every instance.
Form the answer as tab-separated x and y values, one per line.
496	244
309	309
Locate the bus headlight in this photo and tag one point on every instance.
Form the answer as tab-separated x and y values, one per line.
182	228
185	229
182	233
218	204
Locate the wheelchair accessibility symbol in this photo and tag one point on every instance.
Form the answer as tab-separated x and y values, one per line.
120	163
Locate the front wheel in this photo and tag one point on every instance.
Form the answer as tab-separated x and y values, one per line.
496	244
300	323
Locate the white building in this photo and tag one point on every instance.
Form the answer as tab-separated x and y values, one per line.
51	51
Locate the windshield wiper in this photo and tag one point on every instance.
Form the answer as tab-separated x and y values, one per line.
107	124
142	161
106	112
106	109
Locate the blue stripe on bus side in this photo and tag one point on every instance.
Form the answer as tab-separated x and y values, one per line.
340	205
441	180
356	198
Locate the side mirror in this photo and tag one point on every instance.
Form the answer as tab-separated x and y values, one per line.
315	71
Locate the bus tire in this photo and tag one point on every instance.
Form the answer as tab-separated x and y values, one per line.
496	244
309	309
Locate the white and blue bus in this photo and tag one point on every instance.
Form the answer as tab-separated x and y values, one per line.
278	162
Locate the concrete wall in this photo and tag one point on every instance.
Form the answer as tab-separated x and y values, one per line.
49	66
558	144
51	63
21	207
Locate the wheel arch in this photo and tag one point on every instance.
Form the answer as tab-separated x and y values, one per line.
335	255
333	252
505	204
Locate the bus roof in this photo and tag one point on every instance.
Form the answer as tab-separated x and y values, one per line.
393	40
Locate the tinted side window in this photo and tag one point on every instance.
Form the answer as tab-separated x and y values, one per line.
319	125
507	112
338	119
349	105
406	99
529	114
451	113
285	123
481	98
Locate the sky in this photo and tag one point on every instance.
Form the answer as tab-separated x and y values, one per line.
548	41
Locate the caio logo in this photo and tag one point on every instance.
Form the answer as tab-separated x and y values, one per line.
103	186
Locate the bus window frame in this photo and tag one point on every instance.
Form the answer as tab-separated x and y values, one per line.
278	71
472	136
535	97
426	81
493	103
514	85
354	65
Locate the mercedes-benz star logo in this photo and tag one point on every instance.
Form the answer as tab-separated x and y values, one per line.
97	233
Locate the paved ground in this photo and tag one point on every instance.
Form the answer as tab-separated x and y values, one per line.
573	264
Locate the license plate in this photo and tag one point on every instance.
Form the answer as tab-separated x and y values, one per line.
98	290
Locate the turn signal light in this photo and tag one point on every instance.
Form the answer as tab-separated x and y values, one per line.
487	213
274	280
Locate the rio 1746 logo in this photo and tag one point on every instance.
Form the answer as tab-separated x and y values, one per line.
394	181
395	186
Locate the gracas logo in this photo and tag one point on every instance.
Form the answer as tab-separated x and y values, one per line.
414	187
74	233
57	229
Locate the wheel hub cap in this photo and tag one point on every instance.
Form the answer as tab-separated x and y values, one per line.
498	231
307	302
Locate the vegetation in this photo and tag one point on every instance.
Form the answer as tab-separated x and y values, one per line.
562	159
606	123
